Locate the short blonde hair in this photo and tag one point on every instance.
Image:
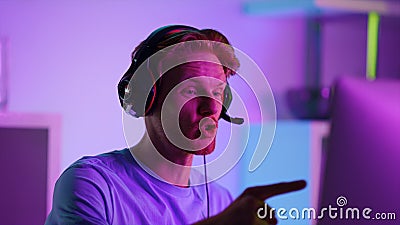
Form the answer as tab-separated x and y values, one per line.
209	40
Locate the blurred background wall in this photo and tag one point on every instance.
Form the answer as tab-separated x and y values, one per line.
67	56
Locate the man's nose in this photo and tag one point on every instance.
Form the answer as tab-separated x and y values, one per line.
207	106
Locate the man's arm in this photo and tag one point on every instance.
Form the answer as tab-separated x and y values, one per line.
244	209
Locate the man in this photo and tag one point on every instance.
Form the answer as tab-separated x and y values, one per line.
178	82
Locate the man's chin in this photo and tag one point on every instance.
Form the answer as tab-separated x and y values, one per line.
205	151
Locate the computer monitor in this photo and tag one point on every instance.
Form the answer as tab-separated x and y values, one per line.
363	153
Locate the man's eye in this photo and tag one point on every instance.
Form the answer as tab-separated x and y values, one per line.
218	93
189	91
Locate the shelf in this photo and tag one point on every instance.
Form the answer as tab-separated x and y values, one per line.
317	7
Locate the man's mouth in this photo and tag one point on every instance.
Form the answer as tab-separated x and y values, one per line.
208	128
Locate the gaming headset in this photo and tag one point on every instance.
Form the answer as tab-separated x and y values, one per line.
130	92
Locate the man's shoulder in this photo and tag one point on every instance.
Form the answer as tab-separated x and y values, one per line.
82	192
101	166
108	159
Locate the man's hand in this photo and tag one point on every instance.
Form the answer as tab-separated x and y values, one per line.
244	209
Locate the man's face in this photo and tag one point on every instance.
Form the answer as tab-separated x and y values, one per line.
192	96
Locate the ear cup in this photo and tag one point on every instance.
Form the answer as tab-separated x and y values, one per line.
138	93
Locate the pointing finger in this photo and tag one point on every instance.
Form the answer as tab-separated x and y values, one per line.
267	191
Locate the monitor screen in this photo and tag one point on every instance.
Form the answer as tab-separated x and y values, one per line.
362	164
